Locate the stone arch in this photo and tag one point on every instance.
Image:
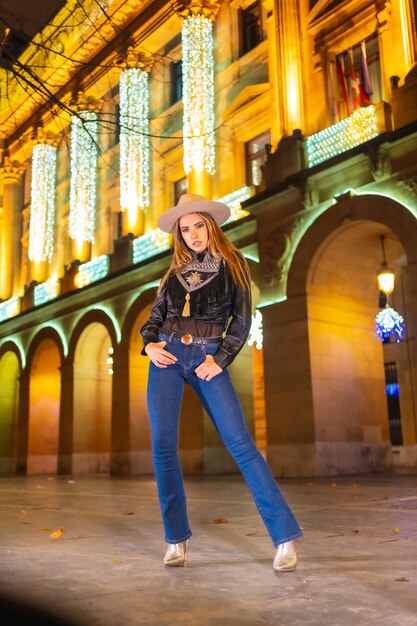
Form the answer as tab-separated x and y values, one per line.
372	207
93	315
325	328
47	332
10	369
42	387
89	379
11	346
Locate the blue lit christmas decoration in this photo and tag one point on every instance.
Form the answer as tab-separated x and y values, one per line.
389	322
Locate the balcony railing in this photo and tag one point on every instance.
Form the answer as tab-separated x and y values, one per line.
364	124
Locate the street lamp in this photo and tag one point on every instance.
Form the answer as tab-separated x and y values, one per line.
386	276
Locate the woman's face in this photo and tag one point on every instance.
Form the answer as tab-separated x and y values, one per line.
194	232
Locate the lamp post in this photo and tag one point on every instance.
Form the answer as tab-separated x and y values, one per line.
386	276
388	321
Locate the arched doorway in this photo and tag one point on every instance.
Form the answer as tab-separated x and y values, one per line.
92	401
324	366
44	409
9	394
346	358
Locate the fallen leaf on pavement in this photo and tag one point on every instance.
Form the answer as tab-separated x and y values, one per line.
57	533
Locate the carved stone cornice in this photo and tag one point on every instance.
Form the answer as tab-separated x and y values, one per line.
82	102
383	14
136	57
41	136
411	184
379	162
272	251
10	170
208	8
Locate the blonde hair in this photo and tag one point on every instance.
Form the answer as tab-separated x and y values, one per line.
218	245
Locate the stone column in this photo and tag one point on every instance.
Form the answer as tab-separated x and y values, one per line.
277	110
81	248
120	430
66	419
199	182
39	270
10	250
290	63
383	16
22	439
289	401
134	215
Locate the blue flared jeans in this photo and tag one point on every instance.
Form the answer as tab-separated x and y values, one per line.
165	391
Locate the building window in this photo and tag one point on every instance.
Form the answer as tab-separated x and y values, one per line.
180	187
358	77
251	27
255	154
176	82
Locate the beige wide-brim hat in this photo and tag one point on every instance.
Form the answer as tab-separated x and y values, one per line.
192	203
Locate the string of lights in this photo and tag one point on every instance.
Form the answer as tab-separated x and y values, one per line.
389	322
198	94
346	134
84	131
42	204
134	142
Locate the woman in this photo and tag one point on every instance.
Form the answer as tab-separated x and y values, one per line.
199	322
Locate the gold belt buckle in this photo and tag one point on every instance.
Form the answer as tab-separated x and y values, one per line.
187	339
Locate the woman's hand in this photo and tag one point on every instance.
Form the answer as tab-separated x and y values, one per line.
159	356
208	369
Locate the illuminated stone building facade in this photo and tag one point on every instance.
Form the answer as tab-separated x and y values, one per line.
302	116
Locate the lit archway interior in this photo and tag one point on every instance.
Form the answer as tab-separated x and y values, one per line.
347	359
92	402
9	394
45	392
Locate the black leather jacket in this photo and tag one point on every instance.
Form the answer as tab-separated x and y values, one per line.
231	309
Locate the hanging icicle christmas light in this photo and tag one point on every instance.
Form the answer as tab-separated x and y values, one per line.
389	322
198	94
84	132
134	142
42	203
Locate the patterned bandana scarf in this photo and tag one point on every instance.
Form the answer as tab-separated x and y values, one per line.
201	271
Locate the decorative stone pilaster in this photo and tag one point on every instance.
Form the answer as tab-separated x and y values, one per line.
198	92
10	233
208	8
134	140
386	45
83	186
290	63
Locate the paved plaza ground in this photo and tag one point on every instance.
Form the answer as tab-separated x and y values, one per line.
357	559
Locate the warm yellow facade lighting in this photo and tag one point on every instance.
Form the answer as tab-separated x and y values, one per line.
198	94
134	144
84	152
42	203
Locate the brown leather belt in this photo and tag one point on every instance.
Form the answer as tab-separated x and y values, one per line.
189	339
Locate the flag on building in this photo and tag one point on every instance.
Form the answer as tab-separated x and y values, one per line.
366	79
357	94
343	109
